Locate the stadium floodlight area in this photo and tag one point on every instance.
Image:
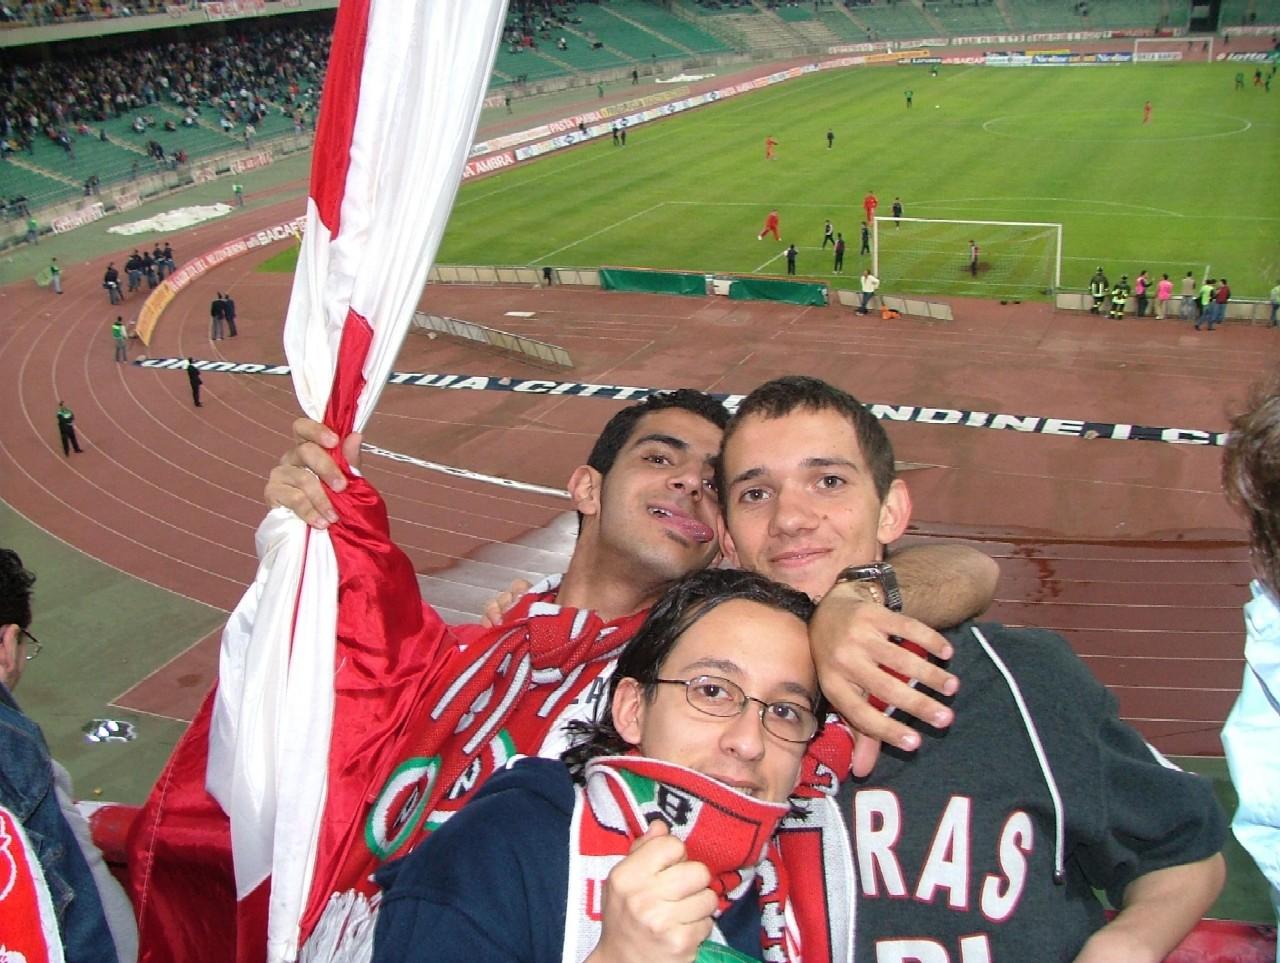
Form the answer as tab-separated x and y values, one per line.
1152	49
924	255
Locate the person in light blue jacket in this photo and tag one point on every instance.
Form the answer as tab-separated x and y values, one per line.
1251	479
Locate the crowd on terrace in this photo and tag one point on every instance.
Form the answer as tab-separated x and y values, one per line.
238	77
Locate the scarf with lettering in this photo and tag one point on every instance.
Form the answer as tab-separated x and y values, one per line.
798	861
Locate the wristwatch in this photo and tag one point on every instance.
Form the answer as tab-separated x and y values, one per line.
880	578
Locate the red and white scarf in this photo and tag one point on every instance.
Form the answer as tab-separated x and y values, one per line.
498	696
28	924
802	863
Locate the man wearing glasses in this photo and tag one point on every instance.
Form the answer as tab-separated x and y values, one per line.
27	786
670	824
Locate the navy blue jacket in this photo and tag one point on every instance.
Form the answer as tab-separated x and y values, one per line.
491	883
26	789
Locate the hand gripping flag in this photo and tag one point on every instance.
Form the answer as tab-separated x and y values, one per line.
331	616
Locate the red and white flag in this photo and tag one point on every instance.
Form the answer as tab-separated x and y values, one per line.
331	616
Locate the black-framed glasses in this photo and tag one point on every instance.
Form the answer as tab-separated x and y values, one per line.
714	696
33	644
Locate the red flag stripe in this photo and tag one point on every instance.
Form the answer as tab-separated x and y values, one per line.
331	155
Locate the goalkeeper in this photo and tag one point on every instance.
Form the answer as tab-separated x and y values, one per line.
1098	287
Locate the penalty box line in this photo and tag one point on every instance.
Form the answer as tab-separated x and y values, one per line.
603	230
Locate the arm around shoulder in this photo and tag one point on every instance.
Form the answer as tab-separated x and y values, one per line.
944	585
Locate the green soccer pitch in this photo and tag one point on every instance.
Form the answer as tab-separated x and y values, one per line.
1193	190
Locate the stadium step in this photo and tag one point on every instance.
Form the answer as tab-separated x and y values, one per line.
934	22
649	30
1004	12
26	165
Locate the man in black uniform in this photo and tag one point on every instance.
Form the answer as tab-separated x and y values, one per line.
193	375
67	430
229	311
839	265
791	259
897	211
133	268
1098	288
111	281
1119	295
831	138
866	239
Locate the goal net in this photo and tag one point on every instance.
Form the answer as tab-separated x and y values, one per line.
1015	259
1172	49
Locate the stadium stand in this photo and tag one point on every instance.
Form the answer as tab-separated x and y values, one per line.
67	120
1119	14
896	21
1036	15
1239	13
967	18
605	25
792	14
679	32
843	25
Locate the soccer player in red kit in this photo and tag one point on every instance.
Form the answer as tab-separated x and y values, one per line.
1146	113
769	145
869	204
770	227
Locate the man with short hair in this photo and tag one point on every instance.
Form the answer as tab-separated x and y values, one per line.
990	842
791	254
229	309
1275	303
828	233
1221	297
838	265
112	282
120	336
1187	292
1140	286
870	284
661	824
770	226
866	240
1205	306
67	431
1164	291
27	786
217	317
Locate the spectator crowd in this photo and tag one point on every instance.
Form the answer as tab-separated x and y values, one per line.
238	78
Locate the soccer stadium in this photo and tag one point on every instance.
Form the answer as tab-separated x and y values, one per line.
1034	238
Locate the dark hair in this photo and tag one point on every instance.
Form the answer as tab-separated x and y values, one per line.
781	396
619	429
15	590
672	615
1251	476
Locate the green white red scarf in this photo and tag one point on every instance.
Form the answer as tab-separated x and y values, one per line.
802	863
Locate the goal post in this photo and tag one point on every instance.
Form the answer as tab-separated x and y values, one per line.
926	255
1167	49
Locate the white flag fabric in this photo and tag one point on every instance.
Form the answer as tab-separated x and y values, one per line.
401	103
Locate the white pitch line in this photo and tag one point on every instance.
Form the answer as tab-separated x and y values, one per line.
606	228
